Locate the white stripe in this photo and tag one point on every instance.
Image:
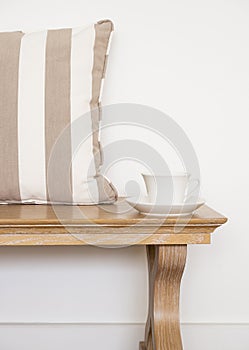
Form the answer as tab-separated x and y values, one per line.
101	89
82	57
31	130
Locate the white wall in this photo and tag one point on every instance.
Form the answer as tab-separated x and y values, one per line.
189	59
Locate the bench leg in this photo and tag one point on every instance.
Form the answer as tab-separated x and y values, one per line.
165	266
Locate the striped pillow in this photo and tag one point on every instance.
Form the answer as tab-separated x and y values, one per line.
50	84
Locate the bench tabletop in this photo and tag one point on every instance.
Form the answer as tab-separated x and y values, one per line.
115	224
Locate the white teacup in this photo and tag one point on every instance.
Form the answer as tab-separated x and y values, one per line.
166	189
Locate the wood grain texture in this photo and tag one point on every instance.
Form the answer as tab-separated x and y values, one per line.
34	239
116	224
142	346
165	265
119	213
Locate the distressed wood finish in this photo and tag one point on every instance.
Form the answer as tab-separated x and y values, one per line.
34	239
117	224
166	240
165	265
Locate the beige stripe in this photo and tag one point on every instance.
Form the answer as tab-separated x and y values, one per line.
103	31
108	192
9	68
58	115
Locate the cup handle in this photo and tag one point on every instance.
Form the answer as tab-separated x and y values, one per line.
197	184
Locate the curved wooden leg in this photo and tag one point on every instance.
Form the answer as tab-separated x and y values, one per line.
165	266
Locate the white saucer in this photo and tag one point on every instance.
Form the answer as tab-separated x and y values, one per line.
171	210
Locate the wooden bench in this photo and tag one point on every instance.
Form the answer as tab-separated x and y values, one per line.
166	241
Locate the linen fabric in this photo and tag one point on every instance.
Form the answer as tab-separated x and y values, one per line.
50	86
